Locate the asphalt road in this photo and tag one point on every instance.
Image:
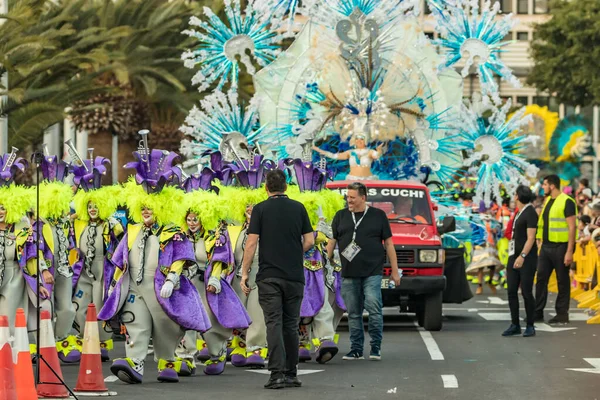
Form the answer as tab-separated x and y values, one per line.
468	359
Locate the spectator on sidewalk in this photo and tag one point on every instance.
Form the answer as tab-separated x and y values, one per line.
557	232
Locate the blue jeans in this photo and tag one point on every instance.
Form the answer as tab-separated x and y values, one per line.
364	294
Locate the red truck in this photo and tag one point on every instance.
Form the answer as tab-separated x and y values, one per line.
418	247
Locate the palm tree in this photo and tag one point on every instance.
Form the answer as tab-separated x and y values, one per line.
50	64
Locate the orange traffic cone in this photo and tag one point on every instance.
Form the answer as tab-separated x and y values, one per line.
7	374
23	368
90	372
51	387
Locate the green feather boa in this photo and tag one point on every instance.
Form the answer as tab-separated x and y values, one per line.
17	201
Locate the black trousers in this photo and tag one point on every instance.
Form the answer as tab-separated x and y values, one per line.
280	301
553	258
522	277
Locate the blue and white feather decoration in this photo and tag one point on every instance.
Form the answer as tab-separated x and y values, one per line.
477	39
491	146
220	45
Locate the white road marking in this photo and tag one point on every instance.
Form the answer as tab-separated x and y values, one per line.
430	343
497	300
547	328
394	390
450	381
111	378
595	362
94	394
472	310
576	316
495	316
300	371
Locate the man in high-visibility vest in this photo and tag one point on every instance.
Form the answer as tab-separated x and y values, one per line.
557	232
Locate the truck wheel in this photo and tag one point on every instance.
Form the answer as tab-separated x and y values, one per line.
420	312
432	319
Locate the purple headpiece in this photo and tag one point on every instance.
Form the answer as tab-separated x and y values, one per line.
310	176
9	165
252	174
53	169
155	170
88	175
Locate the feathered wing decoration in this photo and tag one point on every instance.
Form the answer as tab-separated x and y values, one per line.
10	164
89	175
222	43
478	39
17	201
384	12
538	132
492	145
155	170
571	140
55	199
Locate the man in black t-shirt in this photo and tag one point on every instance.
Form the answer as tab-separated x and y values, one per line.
285	234
362	234
557	231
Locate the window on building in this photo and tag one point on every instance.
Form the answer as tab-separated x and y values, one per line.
541	101
523	100
522	6
509	36
540	7
506	6
523	36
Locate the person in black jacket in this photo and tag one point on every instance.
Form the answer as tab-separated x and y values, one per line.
522	263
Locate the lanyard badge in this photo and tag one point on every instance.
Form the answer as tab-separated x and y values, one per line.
353	249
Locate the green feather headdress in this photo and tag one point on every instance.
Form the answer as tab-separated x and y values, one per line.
107	198
55	199
17	201
328	200
168	205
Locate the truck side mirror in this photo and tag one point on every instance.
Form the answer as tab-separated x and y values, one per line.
448	225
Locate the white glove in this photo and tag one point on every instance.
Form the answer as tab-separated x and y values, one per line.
167	290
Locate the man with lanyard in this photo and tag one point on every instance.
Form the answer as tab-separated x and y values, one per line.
557	231
362	232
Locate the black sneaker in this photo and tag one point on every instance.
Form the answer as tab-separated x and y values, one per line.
559	319
292	381
529	331
353	355
275	383
512	330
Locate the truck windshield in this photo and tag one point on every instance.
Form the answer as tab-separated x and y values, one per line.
401	205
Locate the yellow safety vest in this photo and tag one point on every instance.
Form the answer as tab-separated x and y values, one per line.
558	229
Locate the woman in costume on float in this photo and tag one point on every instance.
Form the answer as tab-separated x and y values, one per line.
360	158
97	235
215	270
57	234
157	301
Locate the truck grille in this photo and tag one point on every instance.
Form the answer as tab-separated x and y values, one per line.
404	257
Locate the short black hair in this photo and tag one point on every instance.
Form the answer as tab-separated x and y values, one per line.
524	194
585	182
553	180
360	187
586	219
276	181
